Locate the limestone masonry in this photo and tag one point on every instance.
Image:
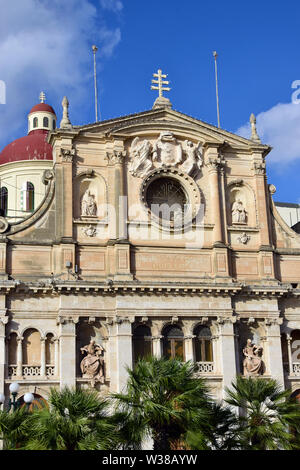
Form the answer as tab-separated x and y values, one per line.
153	233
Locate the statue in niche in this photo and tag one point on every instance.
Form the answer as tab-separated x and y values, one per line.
238	212
194	157
167	150
252	363
140	153
92	365
88	204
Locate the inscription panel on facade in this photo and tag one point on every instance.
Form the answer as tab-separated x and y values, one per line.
181	263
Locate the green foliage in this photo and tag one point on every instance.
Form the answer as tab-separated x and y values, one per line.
13	428
163	400
269	419
76	420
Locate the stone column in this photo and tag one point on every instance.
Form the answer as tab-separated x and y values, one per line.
3	357
56	357
262	197
289	338
213	163
188	348
64	188
274	349
120	348
67	352
227	350
19	357
115	161
156	346
43	357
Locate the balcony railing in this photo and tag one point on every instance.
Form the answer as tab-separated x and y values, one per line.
296	368
204	368
31	371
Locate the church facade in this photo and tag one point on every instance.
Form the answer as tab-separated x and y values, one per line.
153	233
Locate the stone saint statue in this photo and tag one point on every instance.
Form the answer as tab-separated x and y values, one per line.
238	212
92	365
252	363
88	204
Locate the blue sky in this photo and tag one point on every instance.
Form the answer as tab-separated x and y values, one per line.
47	46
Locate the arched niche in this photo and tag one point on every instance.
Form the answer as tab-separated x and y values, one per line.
254	330
240	191
85	333
95	185
31	347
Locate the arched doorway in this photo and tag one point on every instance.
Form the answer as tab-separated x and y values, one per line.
38	403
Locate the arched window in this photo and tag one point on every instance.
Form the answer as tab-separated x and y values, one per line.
53	124
12	349
45	122
173	342
203	344
295	345
35	122
29	197
31	347
142	343
3	201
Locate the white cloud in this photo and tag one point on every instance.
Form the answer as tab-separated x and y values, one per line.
47	46
279	127
114	5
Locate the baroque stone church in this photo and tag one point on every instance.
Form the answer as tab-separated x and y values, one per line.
152	233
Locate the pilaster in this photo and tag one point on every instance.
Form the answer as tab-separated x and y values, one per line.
275	364
120	350
227	350
67	351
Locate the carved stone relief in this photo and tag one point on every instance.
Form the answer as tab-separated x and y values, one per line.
166	151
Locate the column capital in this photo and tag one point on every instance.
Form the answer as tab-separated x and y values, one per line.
116	157
67	154
215	163
259	168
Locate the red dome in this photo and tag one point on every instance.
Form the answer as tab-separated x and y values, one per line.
32	147
42	107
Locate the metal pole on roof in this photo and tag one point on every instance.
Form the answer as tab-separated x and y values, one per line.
217	91
95	49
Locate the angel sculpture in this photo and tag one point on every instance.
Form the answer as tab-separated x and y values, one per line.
140	153
194	158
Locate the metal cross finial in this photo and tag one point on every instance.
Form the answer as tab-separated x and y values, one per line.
160	83
42	97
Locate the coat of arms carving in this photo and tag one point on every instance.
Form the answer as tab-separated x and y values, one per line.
166	151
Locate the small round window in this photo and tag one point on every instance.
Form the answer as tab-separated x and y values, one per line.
166	198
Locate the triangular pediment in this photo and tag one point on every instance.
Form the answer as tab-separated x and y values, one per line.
163	119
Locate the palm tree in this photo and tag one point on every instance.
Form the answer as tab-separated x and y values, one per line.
218	432
13	428
162	400
267	414
76	420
